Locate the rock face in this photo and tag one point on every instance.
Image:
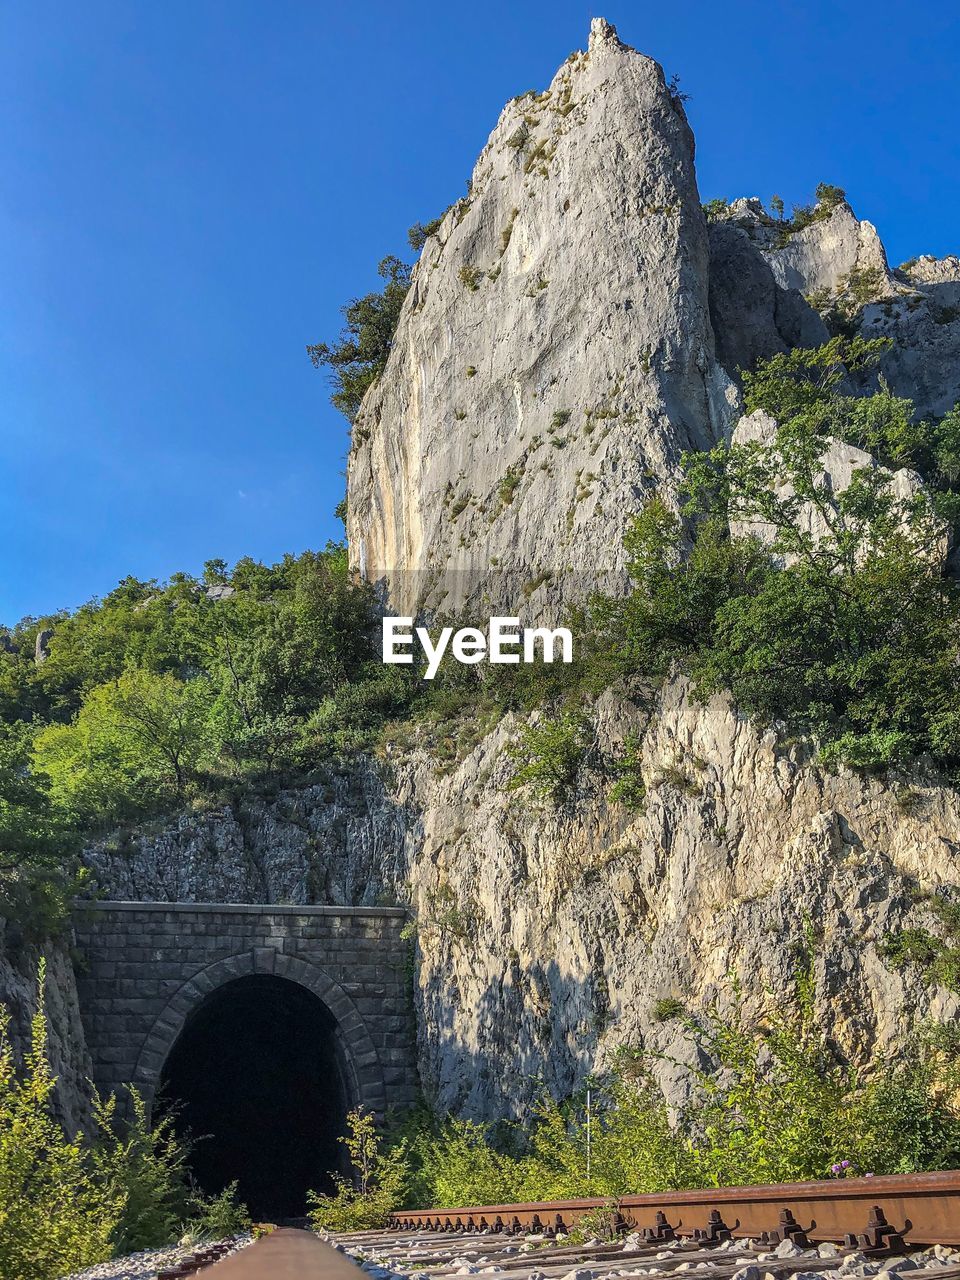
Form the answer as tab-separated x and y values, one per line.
754	316
761	280
554	356
544	939
923	323
19	965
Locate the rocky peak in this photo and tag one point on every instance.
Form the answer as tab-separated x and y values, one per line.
573	327
603	33
554	356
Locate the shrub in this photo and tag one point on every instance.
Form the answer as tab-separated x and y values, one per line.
781	1107
148	1170
470	277
57	1214
507	231
629	788
217	1217
774	1105
509	484
66	1204
548	756
520	137
133	747
376	1189
715	209
668	1008
828	198
937	957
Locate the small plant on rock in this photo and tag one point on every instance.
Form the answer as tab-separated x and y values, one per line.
548	756
667	1009
470	277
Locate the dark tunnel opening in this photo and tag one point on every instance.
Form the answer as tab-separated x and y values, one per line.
256	1081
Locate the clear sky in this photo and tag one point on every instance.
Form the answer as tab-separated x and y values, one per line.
192	188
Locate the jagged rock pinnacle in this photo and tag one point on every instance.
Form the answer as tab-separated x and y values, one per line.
604	32
554	358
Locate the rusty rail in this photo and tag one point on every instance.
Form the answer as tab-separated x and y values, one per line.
284	1254
883	1214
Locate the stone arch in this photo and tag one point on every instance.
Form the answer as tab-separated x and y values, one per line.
358	1052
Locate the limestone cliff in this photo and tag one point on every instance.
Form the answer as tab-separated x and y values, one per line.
554	356
545	938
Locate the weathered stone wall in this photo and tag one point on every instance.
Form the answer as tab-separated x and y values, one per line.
147	967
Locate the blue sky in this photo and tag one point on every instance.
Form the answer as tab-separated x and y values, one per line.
192	189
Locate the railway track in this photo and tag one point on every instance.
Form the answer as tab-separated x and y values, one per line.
874	1213
837	1230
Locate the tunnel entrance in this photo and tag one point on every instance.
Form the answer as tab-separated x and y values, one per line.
256	1079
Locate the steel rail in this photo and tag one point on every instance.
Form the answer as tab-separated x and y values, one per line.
884	1214
284	1254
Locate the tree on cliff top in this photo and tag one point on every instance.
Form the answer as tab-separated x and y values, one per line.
849	633
360	355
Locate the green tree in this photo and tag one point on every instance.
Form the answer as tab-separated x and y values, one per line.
548	755
135	746
358	358
37	847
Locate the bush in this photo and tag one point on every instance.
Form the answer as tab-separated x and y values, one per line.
715	209
937	957
548	756
373	1193
420	232
217	1217
66	1204
828	198
775	1105
57	1214
147	1168
668	1008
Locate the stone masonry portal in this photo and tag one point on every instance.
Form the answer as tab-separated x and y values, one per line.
146	967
